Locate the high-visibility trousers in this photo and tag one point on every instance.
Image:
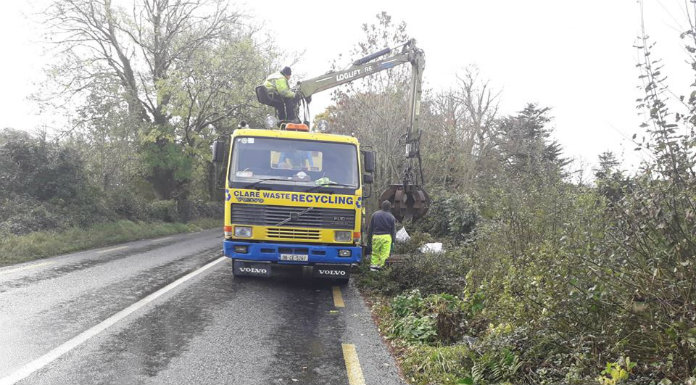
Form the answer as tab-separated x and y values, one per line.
381	246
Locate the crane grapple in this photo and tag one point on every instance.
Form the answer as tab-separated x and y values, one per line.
409	202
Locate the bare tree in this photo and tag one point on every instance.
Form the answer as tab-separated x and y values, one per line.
459	127
183	69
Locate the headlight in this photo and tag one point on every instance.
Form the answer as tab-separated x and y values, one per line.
242	231
342	236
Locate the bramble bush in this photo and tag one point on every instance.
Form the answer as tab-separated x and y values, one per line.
45	186
565	278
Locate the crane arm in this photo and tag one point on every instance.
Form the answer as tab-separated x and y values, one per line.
409	199
365	67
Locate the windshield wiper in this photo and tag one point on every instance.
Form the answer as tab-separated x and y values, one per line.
329	184
254	184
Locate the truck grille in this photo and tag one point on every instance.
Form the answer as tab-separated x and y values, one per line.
276	232
284	216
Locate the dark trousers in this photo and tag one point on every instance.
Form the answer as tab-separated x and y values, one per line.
285	108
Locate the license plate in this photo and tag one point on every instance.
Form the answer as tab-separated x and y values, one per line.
294	257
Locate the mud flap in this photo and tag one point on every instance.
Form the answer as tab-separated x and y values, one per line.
340	272
252	269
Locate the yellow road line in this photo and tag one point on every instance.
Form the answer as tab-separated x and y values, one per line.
338	297
26	267
350	355
112	249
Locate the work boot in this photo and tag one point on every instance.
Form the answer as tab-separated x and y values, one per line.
375	268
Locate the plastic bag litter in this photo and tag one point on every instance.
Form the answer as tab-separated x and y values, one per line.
402	236
435	248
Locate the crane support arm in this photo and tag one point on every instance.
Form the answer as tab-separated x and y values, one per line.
365	67
409	199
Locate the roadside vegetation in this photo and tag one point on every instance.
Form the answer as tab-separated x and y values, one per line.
41	244
137	96
549	278
51	204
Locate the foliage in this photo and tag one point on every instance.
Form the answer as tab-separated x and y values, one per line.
568	276
164	210
144	89
439	319
413	328
494	367
431	273
451	214
46	187
436	317
543	281
611	182
438	365
163	78
458	125
616	372
41	244
40	169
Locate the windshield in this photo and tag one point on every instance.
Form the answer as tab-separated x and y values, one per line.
302	162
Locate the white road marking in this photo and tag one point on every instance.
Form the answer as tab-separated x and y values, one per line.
25	267
56	353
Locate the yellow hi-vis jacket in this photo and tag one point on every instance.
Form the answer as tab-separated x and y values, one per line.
277	83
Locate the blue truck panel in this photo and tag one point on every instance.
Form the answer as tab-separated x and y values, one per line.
270	252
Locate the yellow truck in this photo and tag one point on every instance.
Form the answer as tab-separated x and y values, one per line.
295	197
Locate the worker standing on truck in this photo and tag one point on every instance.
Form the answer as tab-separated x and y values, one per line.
282	98
381	235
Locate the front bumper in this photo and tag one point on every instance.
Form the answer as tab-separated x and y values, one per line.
271	252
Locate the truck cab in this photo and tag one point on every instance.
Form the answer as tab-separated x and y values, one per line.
294	197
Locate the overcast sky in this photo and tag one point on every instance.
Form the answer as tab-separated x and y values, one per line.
575	57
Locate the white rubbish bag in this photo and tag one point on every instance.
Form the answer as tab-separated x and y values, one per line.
434	248
402	236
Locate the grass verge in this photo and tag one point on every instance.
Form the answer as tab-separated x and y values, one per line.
42	244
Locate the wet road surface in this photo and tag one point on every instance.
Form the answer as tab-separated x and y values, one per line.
169	311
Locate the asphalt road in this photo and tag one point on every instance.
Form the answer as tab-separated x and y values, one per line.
169	311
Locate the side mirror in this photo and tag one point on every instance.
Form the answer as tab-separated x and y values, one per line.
369	165
368	179
219	151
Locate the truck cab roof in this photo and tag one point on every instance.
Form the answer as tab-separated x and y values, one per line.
318	136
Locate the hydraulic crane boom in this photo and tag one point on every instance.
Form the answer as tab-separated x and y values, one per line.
409	199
